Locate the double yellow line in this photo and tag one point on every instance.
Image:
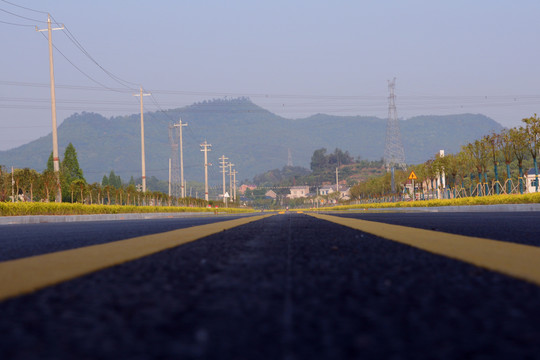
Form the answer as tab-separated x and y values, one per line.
516	260
23	276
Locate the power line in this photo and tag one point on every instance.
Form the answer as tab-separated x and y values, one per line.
79	69
23	17
25	8
10	23
405	100
79	46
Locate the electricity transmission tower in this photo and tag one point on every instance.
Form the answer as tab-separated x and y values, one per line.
394	155
289	159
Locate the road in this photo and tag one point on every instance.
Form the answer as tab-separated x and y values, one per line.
283	287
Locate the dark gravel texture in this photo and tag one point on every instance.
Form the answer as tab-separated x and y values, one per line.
286	287
518	227
18	241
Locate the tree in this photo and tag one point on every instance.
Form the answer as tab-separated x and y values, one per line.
25	180
506	149
80	184
319	161
50	162
105	181
492	142
464	167
70	170
114	180
533	134
478	153
340	158
108	189
131	193
5	183
48	181
518	137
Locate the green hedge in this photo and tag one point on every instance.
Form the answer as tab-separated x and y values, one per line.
533	198
37	208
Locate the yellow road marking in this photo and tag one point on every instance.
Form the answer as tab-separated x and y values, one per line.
23	276
517	260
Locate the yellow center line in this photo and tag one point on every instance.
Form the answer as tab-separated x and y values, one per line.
26	275
516	260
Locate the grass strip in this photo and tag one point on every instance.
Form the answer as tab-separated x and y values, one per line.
37	208
533	198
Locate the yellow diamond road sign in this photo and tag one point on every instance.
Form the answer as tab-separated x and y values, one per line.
413	176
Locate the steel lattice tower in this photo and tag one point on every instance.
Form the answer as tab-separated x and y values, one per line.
174	140
394	156
289	159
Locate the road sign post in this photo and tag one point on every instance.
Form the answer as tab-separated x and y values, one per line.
413	177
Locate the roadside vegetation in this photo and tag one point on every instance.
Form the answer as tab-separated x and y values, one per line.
28	192
495	164
27	208
466	201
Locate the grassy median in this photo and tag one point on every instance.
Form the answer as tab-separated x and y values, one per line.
37	208
475	200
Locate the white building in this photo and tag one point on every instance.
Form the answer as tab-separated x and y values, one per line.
344	191
298	192
530	181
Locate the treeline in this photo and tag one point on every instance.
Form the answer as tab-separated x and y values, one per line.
321	162
29	185
474	171
322	170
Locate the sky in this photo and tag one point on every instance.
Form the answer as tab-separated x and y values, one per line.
295	58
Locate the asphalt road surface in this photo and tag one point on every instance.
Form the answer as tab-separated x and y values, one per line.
285	287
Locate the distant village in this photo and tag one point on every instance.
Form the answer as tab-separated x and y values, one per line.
303	192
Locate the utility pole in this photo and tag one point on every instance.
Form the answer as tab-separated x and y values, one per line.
170	177
234	182
183	190
337	179
230	180
13	186
143	164
206	148
56	161
223	165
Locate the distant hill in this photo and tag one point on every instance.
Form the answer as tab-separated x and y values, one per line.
254	139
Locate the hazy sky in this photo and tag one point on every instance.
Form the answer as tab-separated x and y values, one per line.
295	58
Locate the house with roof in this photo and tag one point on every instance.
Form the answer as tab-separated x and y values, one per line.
344	191
271	194
298	192
530	181
242	189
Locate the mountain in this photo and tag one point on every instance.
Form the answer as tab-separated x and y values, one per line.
254	139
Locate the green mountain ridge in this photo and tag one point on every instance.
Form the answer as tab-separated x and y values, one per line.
254	139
